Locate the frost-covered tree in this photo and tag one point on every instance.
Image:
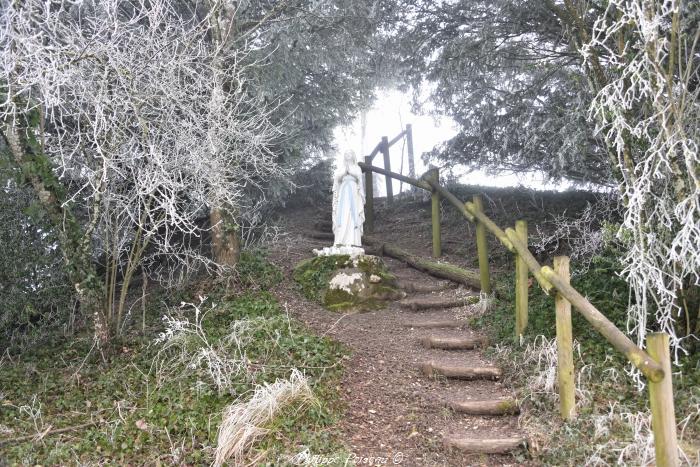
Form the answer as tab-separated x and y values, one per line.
643	59
506	72
132	120
323	61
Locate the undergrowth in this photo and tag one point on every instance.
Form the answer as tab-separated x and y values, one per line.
613	424
313	274
254	271
158	404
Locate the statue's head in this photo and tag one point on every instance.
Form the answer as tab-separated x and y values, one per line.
350	157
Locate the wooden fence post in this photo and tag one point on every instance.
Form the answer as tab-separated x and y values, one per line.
663	416
387	166
565	351
409	151
482	247
369	198
434	175
521	285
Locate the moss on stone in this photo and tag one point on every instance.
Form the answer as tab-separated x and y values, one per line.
372	265
384	292
341	306
315	275
339	299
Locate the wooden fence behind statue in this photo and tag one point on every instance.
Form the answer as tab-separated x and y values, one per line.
554	280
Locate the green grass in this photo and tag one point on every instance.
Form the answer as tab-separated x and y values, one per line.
137	421
255	271
560	443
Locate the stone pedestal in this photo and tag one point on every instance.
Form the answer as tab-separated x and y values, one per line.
344	282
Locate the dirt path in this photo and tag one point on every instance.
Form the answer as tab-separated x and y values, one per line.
393	411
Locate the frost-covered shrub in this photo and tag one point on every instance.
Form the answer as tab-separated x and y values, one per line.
187	348
137	119
581	236
647	109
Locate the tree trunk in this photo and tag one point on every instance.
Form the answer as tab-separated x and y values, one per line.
441	270
225	242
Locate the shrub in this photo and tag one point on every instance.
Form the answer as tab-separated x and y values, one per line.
34	294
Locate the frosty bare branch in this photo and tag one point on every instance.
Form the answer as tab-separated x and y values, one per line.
648	114
146	117
582	236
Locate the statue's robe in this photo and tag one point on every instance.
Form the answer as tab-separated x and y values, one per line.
348	207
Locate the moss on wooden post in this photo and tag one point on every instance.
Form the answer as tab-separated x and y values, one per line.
434	175
663	417
521	285
565	353
482	247
387	166
369	198
520	248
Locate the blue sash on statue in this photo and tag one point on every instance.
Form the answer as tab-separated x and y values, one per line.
346	192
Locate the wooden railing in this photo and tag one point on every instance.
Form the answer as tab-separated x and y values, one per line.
655	365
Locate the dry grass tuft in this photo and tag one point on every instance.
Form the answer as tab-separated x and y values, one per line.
487	302
243	422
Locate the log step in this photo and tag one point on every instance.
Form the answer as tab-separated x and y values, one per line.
460	372
441	270
428	303
323	225
320	235
417	287
485	446
454	343
507	406
435	324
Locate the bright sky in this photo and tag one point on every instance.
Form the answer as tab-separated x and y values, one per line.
390	115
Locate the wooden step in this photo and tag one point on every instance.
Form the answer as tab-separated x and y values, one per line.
320	235
449	370
486	445
438	302
507	406
417	287
435	324
323	225
454	343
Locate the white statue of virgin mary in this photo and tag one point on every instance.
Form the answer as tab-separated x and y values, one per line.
348	202
348	209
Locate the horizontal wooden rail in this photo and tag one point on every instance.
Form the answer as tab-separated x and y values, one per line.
546	277
411	181
449	197
600	323
490	225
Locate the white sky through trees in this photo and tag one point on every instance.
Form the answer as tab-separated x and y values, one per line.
390	114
